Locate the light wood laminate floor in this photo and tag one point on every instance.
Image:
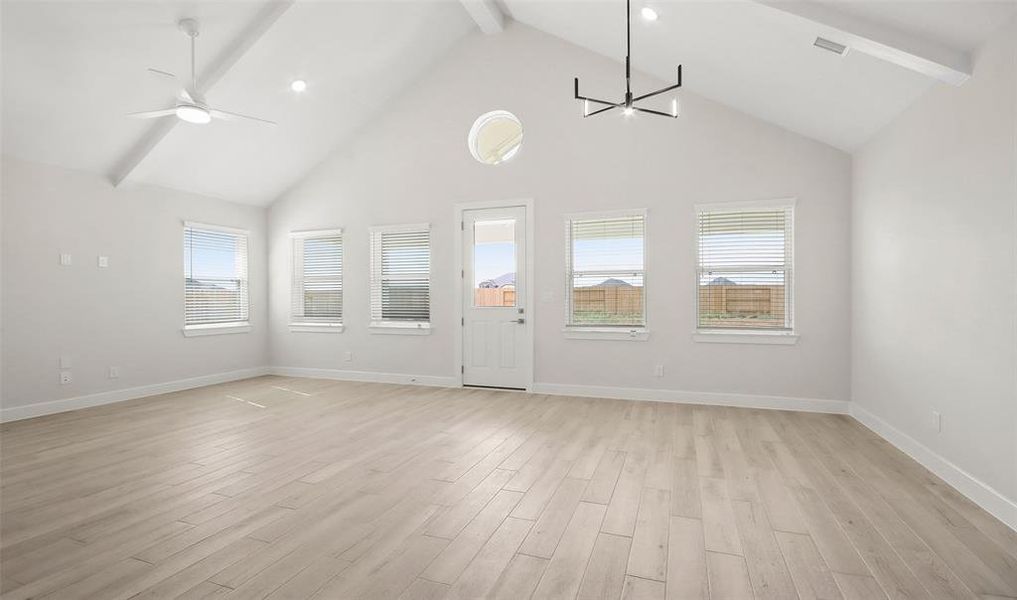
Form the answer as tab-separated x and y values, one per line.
299	488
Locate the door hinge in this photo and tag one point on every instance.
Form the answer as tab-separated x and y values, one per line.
462	321
462	225
462	368
462	274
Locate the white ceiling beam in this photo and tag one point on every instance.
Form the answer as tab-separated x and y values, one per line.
214	71
887	43
486	14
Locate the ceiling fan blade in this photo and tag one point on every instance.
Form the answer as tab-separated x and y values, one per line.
161	73
153	114
232	116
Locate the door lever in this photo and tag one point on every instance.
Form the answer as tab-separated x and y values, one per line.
520	320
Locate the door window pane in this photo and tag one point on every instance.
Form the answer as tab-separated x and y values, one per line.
494	263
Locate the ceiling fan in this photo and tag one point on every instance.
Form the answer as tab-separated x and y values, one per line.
191	105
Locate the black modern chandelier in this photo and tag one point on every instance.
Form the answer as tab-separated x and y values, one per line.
628	105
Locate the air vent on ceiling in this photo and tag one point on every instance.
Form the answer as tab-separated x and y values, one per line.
834	47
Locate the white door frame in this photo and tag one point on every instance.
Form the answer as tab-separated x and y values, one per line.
459	265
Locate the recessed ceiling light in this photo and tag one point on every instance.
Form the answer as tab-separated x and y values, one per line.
299	85
649	14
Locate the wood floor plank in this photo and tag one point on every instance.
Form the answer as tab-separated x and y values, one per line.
605	573
811	576
718	517
485	570
548	529
767	569
620	518
642	589
687	578
453	560
648	557
519	578
729	577
605	477
564	572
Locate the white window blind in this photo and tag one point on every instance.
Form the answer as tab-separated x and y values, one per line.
401	275
317	278
215	276
605	271
745	271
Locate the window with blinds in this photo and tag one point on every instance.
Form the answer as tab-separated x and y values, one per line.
317	278
605	271
215	276
745	267
401	276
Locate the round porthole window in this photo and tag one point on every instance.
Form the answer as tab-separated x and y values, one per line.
495	137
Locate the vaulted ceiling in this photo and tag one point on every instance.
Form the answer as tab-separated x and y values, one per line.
72	70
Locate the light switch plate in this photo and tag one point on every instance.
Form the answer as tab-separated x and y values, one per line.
65	362
114	372
103	262
65	260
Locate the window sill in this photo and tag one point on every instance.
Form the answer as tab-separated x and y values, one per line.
400	328
746	337
607	333
317	327
216	329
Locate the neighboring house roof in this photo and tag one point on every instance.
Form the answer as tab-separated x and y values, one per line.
612	282
722	281
199	283
507	279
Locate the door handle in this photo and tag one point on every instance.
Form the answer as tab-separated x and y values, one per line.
520	320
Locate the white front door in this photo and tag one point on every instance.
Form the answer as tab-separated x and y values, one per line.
497	337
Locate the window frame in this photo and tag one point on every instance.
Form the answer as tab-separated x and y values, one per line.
317	327
375	279
203	329
733	335
630	333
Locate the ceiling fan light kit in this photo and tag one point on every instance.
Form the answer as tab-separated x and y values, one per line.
191	106
628	105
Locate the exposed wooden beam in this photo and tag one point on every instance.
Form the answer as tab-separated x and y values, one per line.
888	43
487	15
214	71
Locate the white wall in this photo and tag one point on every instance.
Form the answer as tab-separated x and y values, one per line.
934	224
412	165
128	315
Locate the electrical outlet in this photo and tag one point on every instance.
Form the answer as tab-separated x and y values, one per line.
658	371
103	262
937	421
65	377
348	357
114	372
65	260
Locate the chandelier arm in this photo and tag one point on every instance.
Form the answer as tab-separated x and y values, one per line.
604	102
596	100
601	110
660	91
654	112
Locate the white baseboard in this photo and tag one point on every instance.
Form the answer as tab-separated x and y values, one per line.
367	376
16	413
978	492
684	397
